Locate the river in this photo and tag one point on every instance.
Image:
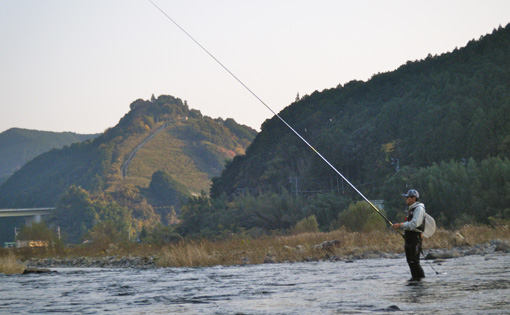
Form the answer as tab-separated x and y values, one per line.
467	285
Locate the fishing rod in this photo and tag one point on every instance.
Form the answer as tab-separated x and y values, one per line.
274	113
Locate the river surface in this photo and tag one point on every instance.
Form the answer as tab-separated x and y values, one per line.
466	285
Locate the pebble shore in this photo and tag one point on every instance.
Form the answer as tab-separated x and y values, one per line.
93	262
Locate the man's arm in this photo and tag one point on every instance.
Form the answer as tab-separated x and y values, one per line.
418	216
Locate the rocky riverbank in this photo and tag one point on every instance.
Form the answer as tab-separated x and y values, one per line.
480	249
93	262
327	253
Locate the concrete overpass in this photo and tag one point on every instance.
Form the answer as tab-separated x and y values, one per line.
32	215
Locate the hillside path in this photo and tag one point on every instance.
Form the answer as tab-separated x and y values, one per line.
125	166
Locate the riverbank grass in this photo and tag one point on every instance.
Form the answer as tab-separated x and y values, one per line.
9	265
244	250
306	246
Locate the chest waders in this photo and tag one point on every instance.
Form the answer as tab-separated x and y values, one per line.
413	248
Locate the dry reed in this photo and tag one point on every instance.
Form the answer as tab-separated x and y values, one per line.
9	265
189	254
301	247
240	250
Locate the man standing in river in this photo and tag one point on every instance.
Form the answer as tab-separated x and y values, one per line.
413	227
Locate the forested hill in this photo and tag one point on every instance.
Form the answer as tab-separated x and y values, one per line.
188	149
454	106
18	146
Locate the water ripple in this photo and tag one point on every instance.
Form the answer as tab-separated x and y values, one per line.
467	285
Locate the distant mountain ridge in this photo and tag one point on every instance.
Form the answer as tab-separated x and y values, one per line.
190	148
18	146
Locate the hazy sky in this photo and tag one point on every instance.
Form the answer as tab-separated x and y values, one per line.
76	65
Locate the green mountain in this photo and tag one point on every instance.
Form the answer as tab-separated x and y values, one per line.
162	134
454	106
18	146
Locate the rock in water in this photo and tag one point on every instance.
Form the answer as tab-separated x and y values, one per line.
502	247
393	308
36	270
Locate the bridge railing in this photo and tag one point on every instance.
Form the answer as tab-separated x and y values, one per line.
25	212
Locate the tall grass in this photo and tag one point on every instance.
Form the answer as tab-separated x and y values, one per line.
9	265
302	246
240	249
191	254
481	234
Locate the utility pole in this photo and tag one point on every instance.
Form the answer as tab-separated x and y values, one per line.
396	163
294	180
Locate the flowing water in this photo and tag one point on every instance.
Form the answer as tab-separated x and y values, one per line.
467	285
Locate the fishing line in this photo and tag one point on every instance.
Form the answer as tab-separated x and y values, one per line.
274	113
430	265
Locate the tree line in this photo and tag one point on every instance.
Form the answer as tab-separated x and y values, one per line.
454	192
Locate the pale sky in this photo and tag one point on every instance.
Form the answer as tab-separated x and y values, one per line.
76	65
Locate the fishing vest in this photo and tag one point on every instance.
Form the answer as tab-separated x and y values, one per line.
409	217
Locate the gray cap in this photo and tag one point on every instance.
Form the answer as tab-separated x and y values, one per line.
412	193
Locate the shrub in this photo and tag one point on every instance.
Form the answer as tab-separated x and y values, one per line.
37	231
161	234
360	217
306	225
